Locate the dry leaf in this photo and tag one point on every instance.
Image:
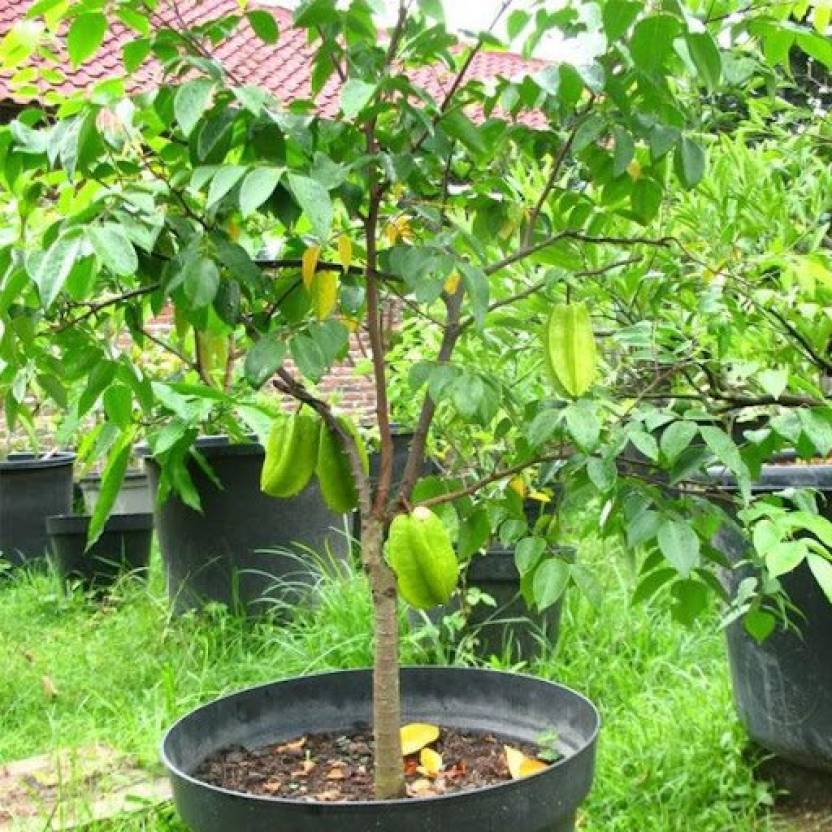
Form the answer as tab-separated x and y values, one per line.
420	787
272	786
431	763
293	747
520	766
49	689
305	767
309	264
416	736
330	795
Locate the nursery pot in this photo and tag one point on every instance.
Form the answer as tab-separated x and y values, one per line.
783	687
134	496
124	546
510	625
244	549
516	707
32	488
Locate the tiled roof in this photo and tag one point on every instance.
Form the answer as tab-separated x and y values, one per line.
284	69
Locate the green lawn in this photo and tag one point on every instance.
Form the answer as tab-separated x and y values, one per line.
671	753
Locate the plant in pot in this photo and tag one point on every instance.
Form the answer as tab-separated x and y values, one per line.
493	259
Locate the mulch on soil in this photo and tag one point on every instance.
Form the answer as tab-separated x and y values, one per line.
337	767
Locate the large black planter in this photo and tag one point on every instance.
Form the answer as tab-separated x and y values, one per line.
517	707
245	549
511	626
32	487
124	546
783	686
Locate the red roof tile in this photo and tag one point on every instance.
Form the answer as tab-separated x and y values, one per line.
284	69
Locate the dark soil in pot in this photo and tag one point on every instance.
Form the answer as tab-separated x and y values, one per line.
783	686
474	702
510	627
32	488
124	546
245	549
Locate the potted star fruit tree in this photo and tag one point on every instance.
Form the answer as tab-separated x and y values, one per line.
521	195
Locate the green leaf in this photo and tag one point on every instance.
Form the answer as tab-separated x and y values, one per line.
355	96
785	557
314	201
308	356
550	582
134	52
85	35
257	187
527	553
474	532
588	132
676	438
590	587
661	140
111	480
548	79
100	377
705	54
543	427
118	405
191	101
618	16
201	281
651	584
646	198
569	348
822	570
689	162
263	360
624	151
477	290
56	264
113	248
458	126
223	181
264	25
773	381
646	444
759	624
691	598
583	424
680	545
725	450
652	41
817	429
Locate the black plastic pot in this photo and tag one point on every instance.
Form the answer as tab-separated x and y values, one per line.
32	488
134	496
510	627
124	546
245	549
510	705
783	686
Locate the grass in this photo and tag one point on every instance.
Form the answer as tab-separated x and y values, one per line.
671	755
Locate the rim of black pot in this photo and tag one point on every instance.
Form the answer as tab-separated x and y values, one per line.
786	470
219	445
80	523
134	474
509	784
25	461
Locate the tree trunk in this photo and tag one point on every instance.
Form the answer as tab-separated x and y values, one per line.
389	765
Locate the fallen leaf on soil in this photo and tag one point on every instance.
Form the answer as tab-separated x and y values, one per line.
336	773
519	765
431	762
330	795
416	736
293	747
420	787
305	767
272	787
49	689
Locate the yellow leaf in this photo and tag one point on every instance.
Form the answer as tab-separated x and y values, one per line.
309	265
452	283
519	765
634	170
324	294
518	486
345	251
540	497
233	230
351	324
416	735
430	763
